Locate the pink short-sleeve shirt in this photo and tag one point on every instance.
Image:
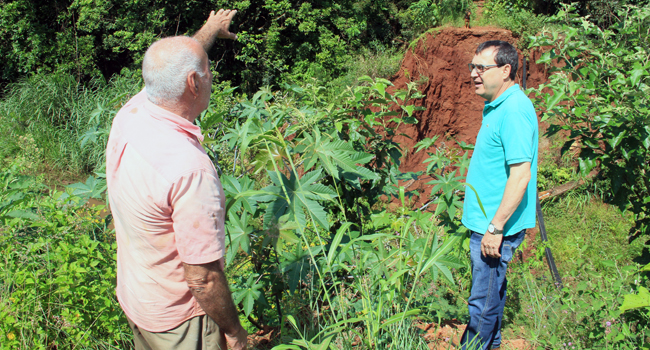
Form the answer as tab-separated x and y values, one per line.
168	206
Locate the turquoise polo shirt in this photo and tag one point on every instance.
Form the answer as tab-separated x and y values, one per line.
508	135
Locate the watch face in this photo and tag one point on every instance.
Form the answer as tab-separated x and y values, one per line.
491	228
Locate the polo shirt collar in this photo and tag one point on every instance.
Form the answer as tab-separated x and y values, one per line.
174	120
494	104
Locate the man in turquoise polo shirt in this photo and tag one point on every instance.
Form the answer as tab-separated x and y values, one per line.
503	171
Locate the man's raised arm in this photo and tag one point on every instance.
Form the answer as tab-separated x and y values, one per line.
217	26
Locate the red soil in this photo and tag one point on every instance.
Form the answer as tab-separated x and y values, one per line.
446	336
452	107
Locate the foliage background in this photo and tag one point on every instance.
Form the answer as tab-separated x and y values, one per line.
315	250
278	39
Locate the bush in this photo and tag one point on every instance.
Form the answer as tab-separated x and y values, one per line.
600	94
57	271
518	19
279	40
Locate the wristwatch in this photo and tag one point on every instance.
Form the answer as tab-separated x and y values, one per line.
493	230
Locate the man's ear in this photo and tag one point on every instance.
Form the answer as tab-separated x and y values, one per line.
193	84
506	71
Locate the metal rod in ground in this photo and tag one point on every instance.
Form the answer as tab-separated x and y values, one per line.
549	254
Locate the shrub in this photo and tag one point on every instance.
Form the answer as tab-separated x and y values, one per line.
600	94
57	271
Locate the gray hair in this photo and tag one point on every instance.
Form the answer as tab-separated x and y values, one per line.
165	67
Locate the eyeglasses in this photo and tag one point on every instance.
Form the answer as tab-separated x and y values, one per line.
480	68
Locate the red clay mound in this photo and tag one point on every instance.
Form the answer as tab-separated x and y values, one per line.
452	107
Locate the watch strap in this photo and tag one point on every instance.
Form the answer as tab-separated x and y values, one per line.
495	231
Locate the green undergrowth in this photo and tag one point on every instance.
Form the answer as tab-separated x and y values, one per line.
598	265
65	120
313	250
57	271
520	21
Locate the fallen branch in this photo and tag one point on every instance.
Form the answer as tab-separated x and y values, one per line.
556	191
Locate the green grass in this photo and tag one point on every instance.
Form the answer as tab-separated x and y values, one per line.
54	111
585	232
521	22
589	241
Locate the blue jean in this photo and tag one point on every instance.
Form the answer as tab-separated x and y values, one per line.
488	294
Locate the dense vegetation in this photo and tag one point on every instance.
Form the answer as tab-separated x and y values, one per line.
278	39
309	166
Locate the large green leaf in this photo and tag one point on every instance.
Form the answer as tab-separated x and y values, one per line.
295	266
636	301
92	134
94	187
336	241
552	100
302	195
439	259
243	135
249	294
23	214
283	231
332	154
237	233
398	318
637	73
447	184
239	192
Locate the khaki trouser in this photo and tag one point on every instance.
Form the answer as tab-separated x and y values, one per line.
198	333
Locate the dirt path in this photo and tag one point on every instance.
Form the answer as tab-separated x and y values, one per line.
446	336
479	9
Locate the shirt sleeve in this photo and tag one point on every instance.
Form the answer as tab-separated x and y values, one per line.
198	209
518	136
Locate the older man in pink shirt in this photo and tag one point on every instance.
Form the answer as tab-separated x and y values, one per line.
168	203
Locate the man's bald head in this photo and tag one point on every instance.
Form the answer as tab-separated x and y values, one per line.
166	65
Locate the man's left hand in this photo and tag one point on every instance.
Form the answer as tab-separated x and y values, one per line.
490	245
221	22
237	341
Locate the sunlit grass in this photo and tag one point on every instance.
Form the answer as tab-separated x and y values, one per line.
55	111
598	264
